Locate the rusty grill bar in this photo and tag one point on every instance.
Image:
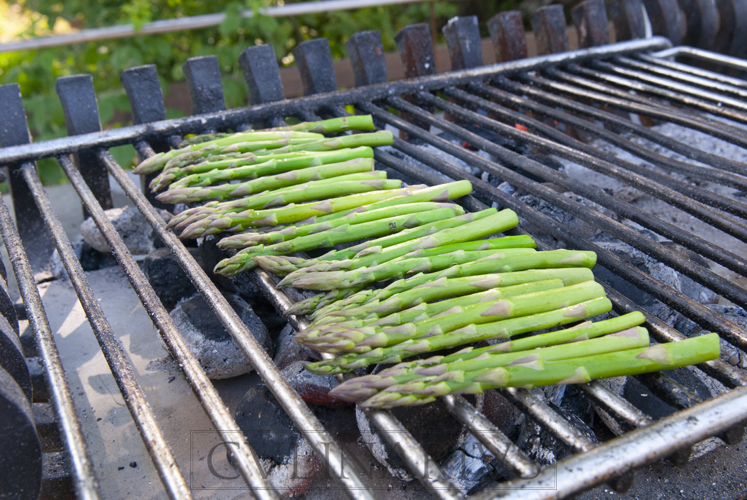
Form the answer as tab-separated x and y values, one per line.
594	91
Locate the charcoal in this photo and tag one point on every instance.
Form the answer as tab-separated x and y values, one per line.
211	255
431	425
642	398
207	338
468	465
167	278
288	460
288	351
138	235
90	259
501	412
313	389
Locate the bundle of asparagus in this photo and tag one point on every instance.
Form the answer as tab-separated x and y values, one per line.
452	280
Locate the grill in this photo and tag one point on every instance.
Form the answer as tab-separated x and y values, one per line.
602	91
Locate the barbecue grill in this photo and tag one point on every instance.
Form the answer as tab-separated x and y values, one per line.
550	102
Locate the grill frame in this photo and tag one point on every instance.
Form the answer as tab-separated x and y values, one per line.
712	418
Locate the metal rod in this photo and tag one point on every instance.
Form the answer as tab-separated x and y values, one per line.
640	87
666	294
630	174
244	456
671	75
155	443
672	144
489	435
228	119
671	258
191	23
314	432
703	55
84	480
636	448
420	464
704	173
617	406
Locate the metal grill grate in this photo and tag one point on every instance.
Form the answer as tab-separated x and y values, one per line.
546	102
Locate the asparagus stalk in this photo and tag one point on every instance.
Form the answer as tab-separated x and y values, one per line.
322	300
286	199
577	370
242	261
412	194
253	165
582	331
294	177
334	125
374	247
487	222
303	130
367	338
471	333
449	263
247	141
286	167
412	381
291	232
325	330
405	293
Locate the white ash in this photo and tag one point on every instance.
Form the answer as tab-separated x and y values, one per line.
139	237
209	341
468	465
379	448
293	477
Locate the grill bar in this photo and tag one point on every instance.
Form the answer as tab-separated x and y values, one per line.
634	449
480	89
318	437
244	456
84	480
587	159
132	393
671	297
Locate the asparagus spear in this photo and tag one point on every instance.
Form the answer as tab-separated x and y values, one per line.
361	203
581	331
327	328
286	167
300	130
334	125
291	232
395	269
254	165
250	217
367	338
440	288
235	142
294	177
560	372
466	335
372	253
407	381
242	261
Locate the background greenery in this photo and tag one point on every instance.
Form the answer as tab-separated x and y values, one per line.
36	71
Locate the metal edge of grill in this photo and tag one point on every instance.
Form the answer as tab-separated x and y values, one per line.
493	89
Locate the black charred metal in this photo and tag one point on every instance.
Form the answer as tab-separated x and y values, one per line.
416	50
205	87
666	19
146	102
314	61
14	132
82	117
366	53
732	37
507	32
262	74
627	17
590	18
702	22
465	45
548	25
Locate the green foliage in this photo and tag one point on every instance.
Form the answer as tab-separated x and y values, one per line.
36	71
